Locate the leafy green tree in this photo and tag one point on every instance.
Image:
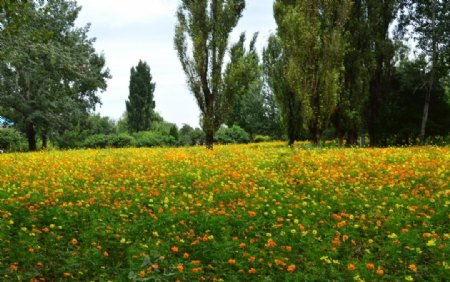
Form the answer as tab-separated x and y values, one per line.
428	22
140	104
49	72
204	27
312	36
405	102
274	62
380	15
358	61
243	76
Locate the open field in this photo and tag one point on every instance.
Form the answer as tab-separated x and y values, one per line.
244	212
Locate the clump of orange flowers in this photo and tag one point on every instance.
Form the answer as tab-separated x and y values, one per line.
291	268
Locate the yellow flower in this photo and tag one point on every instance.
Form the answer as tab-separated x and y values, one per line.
409	278
431	243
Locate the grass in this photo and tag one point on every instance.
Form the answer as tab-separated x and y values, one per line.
238	213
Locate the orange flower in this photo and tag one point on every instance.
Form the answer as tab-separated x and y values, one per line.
336	216
197	269
351	267
270	243
67	274
252	213
195	262
142	273
13	267
251	259
231	261
379	271
252	270
174	249
74	241
280	262
180	268
105	254
412	267
404	230
186	255
242	245
291	268
370	266
342	223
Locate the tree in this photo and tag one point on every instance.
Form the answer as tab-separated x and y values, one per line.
204	27
49	73
140	104
358	61
380	14
312	36
428	22
274	62
243	76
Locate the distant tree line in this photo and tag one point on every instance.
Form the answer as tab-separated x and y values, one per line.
334	70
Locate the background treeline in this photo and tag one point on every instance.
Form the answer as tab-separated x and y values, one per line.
354	71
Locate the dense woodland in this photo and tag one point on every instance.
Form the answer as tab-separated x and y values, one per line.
358	72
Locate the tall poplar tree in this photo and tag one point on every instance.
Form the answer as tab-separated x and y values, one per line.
312	34
288	102
140	103
203	28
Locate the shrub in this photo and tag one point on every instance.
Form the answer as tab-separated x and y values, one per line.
96	141
153	139
11	139
120	140
232	135
262	138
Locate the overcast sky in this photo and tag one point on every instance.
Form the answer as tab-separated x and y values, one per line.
128	31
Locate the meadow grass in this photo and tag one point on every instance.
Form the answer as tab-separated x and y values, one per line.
238	213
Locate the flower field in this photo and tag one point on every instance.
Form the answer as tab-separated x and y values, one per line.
238	213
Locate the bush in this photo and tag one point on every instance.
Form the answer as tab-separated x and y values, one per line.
153	139
262	138
96	141
120	141
11	139
232	135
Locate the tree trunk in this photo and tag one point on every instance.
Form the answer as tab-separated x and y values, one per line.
44	140
426	106
31	136
209	139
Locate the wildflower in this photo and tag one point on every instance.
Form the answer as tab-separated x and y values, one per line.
142	273
370	266
351	267
105	254
291	268
197	269
409	278
185	255
74	241
379	271
252	213
412	267
242	245
174	249
252	270
13	267
231	261
431	243
180	268
270	243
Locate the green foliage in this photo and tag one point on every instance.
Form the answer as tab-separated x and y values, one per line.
121	140
287	100
262	138
140	104
49	72
312	36
232	135
203	28
153	139
11	139
96	141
